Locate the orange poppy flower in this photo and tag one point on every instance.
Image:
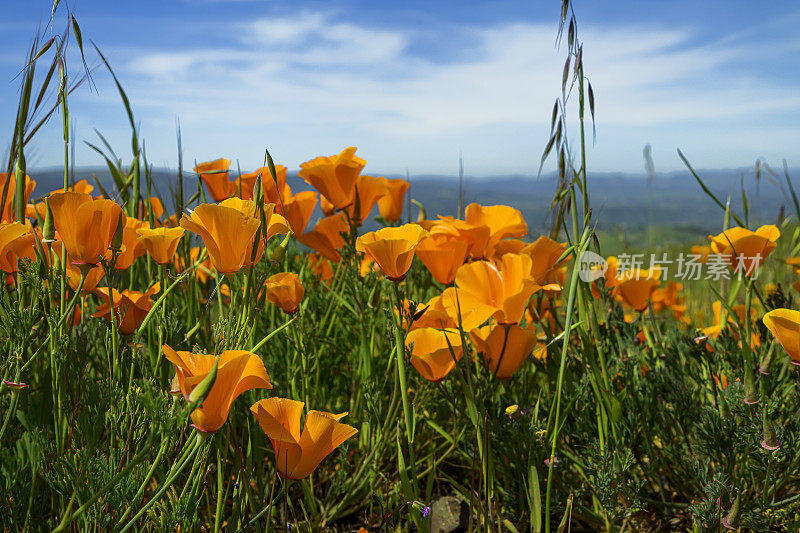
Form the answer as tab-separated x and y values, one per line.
326	206
130	307
609	278
238	371
285	290
505	347
320	267
703	251
297	210
368	190
784	324
390	204
542	311
93	276
367	265
10	234
326	237
335	176
484	290
509	246
476	235
215	175
545	253
38	210
203	270
298	453
85	226
243	186
131	247
503	222
156	206
392	248
8	210
432	314
267	184
227	232
442	255
746	249
668	297
431	351
636	285
274	224
723	318
161	243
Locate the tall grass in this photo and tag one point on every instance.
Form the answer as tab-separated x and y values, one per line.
623	421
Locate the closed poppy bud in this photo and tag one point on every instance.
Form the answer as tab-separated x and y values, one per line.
161	243
784	324
392	248
298	453
434	352
204	387
422	216
116	240
391	204
731	521
285	290
505	347
770	441
750	390
280	252
49	229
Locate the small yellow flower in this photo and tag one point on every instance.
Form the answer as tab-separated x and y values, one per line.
511	409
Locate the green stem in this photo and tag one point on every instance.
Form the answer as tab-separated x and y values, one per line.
167	484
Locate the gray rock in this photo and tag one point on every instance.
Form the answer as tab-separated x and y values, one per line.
449	514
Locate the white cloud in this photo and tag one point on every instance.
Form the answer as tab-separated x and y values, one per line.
312	77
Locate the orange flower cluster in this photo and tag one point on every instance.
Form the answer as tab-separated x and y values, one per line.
494	275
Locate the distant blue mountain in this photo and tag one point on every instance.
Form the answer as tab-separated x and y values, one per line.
619	200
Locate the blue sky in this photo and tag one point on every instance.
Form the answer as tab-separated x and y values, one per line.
411	83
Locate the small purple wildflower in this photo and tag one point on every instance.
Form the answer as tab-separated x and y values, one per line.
555	462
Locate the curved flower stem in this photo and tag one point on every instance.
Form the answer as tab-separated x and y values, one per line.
749	375
401	376
220	485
